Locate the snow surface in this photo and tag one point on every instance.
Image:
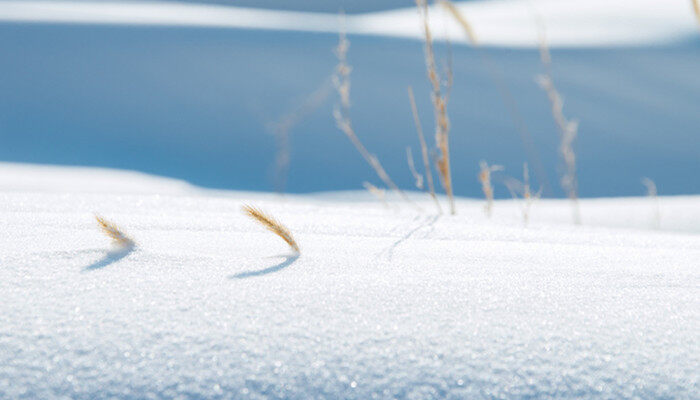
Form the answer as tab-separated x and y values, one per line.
382	303
511	23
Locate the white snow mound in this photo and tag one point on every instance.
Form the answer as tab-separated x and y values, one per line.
382	303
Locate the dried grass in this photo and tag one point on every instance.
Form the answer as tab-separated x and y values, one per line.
118	236
272	225
568	129
442	122
459	17
341	79
380	194
412	167
696	9
518	188
486	186
424	149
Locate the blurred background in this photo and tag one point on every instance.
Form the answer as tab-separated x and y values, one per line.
208	92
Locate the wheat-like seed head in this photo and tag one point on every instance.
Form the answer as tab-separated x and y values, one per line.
272	225
696	8
118	237
459	17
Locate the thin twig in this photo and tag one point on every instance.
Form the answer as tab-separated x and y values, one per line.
442	123
341	79
568	129
486	186
424	149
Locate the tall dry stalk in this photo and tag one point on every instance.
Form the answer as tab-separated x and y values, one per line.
568	129
424	149
696	9
495	74
118	237
652	193
341	80
486	186
442	122
272	225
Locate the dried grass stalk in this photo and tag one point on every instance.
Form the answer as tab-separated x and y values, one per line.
568	129
652	193
380	194
424	149
272	225
696	9
118	237
486	186
459	17
411	166
523	188
442	122
341	79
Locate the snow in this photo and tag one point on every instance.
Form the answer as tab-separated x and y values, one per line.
382	303
510	23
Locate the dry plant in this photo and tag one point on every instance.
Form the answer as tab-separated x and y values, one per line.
486	186
118	237
696	9
457	15
272	225
652	193
490	66
568	129
281	130
380	194
341	80
439	99
522	190
424	149
411	166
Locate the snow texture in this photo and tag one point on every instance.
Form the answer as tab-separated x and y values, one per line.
382	303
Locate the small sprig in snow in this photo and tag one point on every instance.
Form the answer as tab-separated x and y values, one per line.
486	186
118	237
272	225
